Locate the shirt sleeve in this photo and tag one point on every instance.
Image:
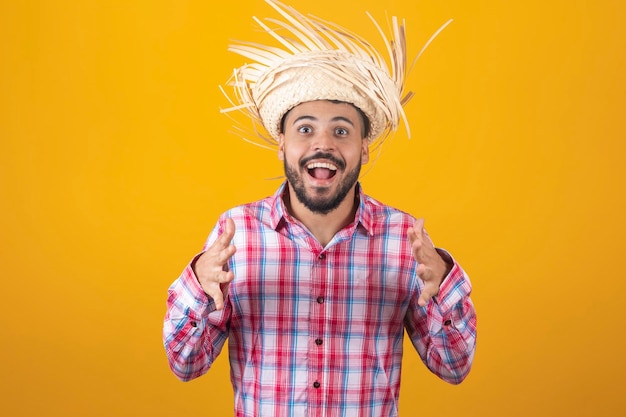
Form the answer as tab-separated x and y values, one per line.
194	332
444	331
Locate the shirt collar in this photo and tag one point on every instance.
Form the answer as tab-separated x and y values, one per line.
279	212
364	214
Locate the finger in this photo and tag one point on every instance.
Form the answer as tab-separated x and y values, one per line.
421	245
421	271
216	288
417	246
227	234
412	235
222	250
214	291
213	261
224	255
426	274
220	277
416	232
422	233
226	277
419	226
427	293
229	228
223	290
212	267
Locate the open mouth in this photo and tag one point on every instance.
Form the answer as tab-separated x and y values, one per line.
321	170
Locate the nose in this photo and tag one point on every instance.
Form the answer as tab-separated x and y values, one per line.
323	141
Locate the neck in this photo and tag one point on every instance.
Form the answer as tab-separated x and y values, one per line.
323	226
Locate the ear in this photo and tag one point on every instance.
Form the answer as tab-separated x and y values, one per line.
365	151
281	147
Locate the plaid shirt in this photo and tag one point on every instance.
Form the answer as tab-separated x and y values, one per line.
318	331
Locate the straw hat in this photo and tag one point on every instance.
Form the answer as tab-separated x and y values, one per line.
319	60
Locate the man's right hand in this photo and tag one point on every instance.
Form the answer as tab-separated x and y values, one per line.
211	268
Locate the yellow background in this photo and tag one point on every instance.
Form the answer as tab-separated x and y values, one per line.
115	163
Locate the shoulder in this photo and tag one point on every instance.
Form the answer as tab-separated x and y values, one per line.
263	210
249	217
248	211
381	212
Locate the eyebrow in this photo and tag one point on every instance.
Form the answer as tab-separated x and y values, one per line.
334	119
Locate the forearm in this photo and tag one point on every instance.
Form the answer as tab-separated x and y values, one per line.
445	336
192	341
452	344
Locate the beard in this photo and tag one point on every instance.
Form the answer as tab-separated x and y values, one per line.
323	202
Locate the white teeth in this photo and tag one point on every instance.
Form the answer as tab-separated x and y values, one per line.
321	165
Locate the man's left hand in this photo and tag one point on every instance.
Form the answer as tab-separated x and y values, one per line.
432	269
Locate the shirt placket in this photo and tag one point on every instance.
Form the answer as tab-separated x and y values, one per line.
317	321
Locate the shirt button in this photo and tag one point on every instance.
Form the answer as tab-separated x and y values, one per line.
320	300
318	342
321	256
447	322
193	324
316	384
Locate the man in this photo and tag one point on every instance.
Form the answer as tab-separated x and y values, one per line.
315	286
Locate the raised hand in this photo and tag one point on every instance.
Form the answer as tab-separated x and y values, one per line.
211	268
432	269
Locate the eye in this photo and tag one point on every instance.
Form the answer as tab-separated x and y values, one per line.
340	131
304	129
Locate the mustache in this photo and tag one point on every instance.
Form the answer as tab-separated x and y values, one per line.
322	155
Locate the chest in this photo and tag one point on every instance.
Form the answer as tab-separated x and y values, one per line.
288	282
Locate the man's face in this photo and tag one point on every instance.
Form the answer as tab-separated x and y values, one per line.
322	148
